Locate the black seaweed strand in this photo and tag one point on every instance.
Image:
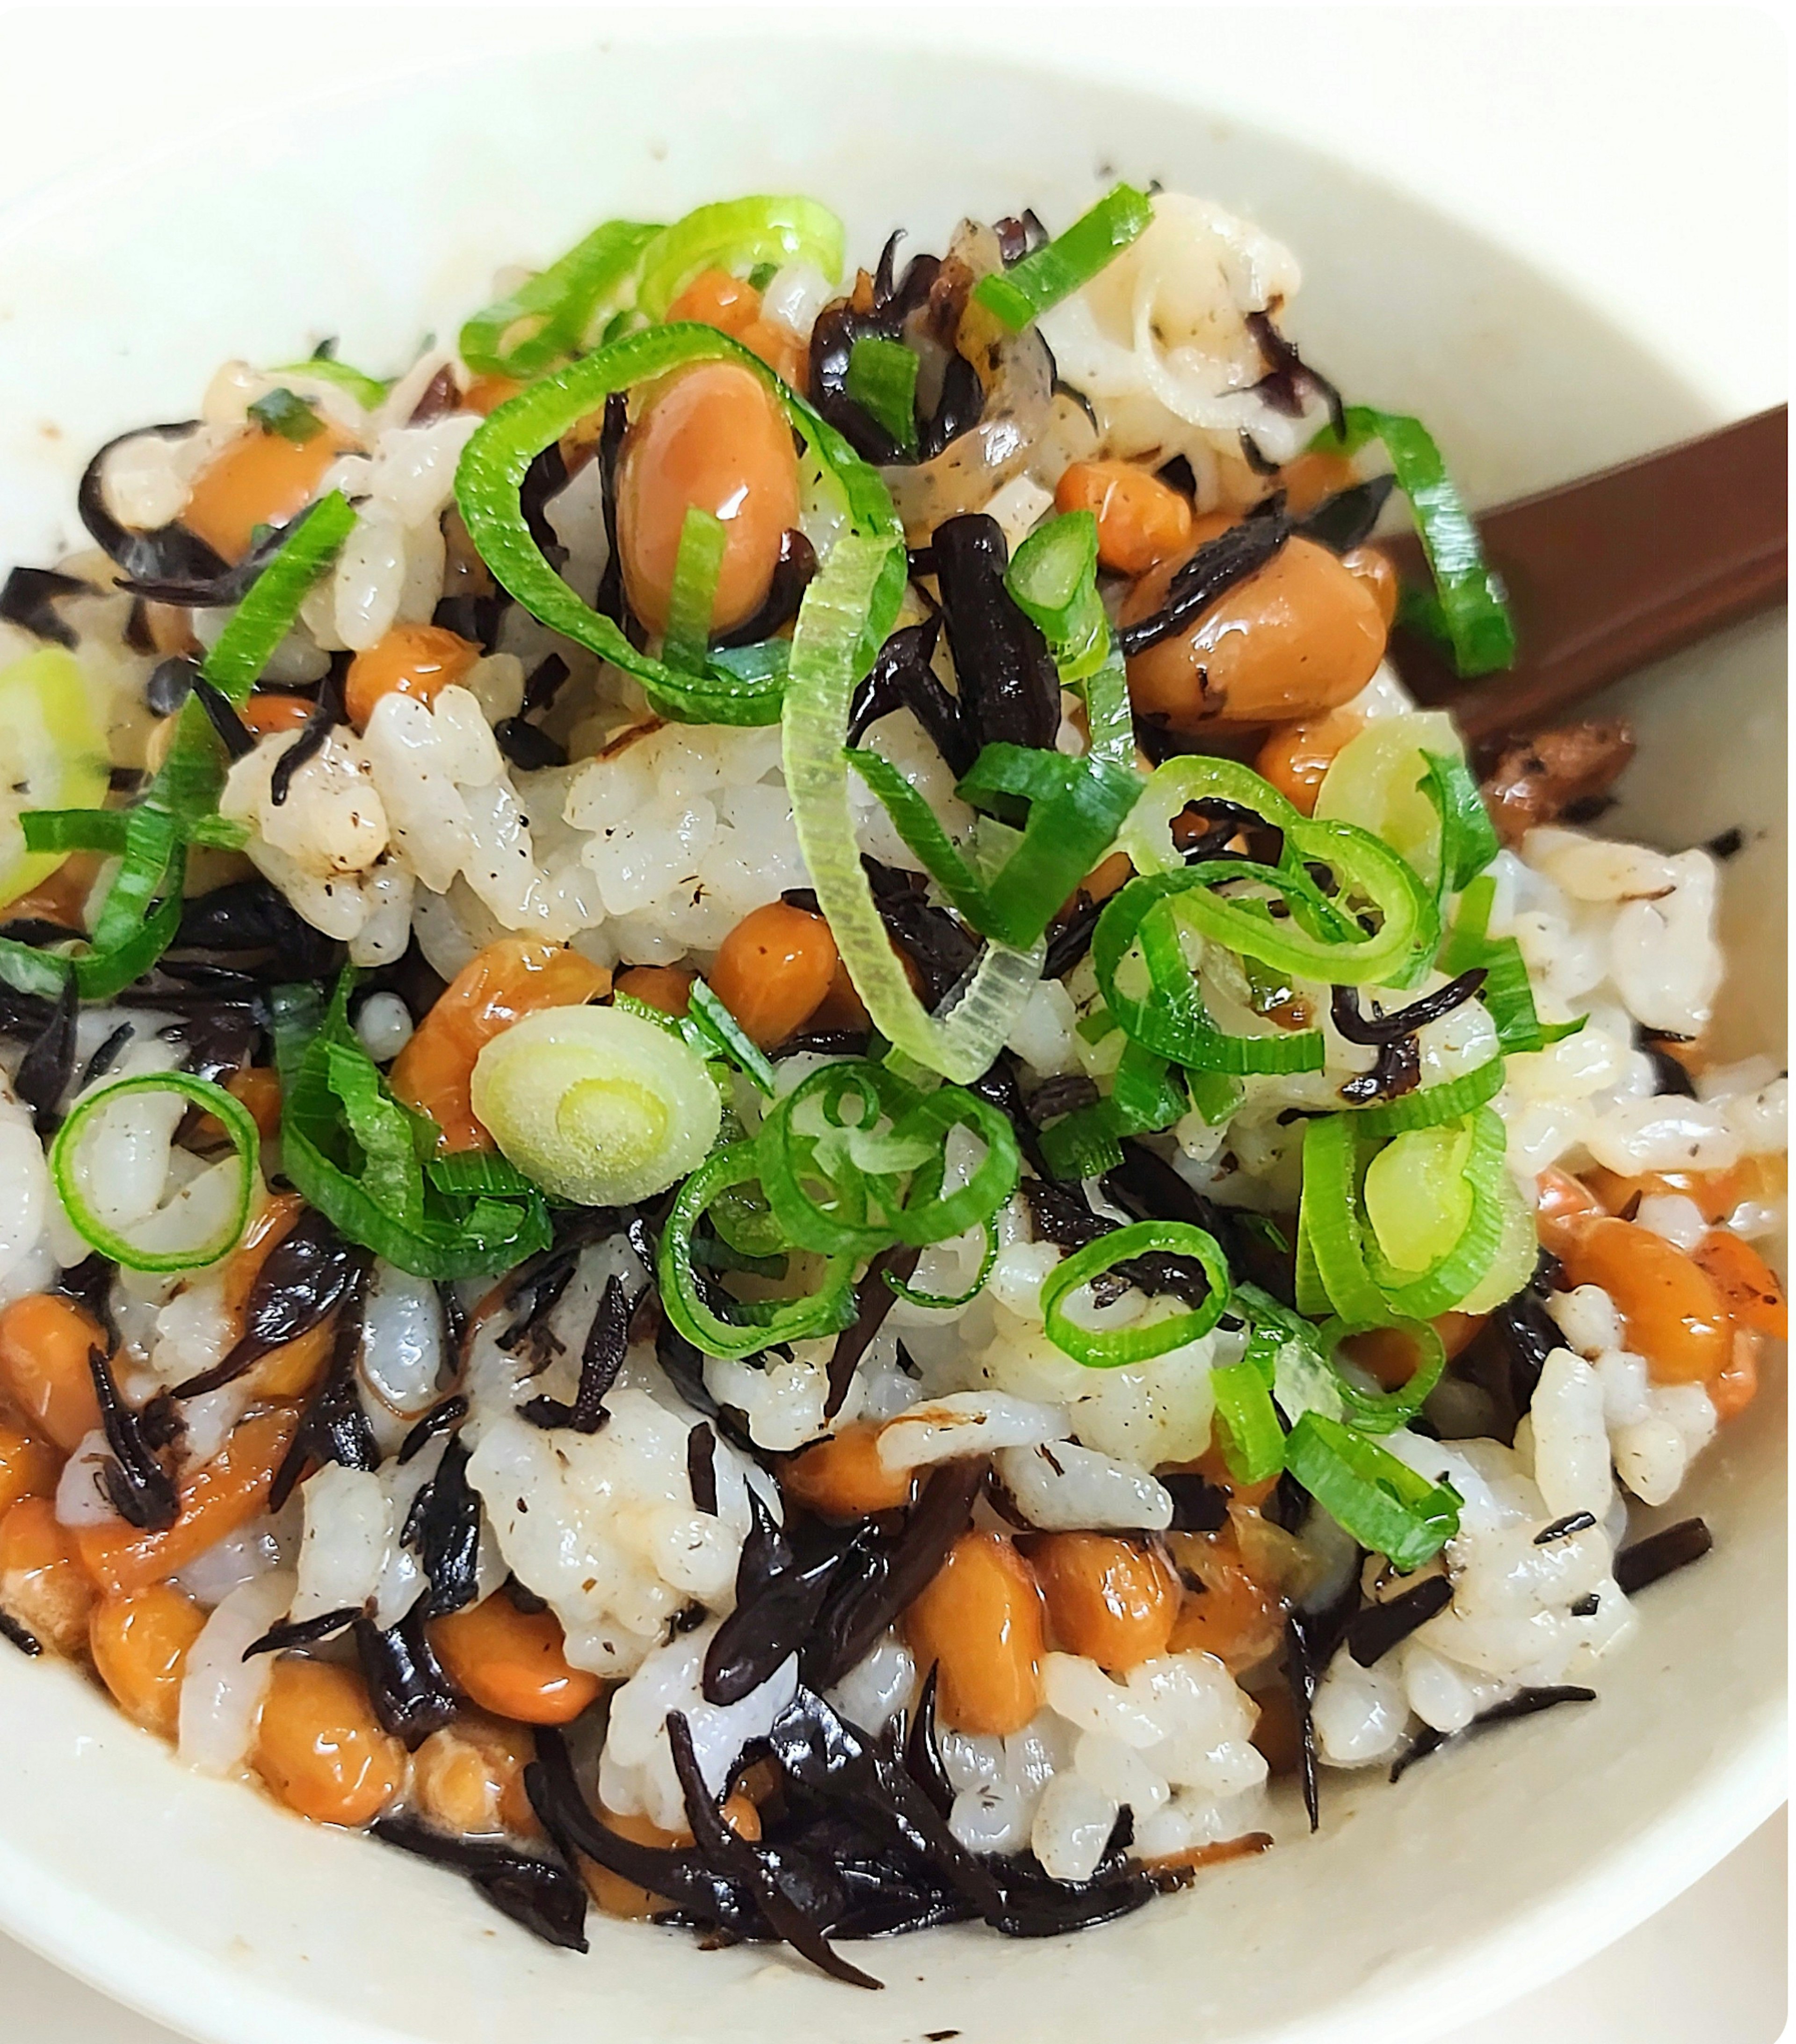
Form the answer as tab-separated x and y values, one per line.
1524	1704
141	1490
49	1063
28	600
1373	1633
1660	1554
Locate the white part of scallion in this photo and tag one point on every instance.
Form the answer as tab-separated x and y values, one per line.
595	1104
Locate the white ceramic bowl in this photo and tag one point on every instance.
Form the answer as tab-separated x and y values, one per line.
1485	1872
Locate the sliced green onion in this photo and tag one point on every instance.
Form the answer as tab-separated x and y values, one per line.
1140	1342
713	1020
1472	611
1345	1263
66	1171
1213	1096
1469	838
553	314
1416	1197
828	658
1108	716
1076	806
1507	994
352	1151
1466	944
1383	1412
597	1107
138	920
1308	1290
1452	1276
1170	1018
491	474
368	392
1431	1106
1519	1250
1016	295
1381	1501
52	750
1084	1144
856	1168
1328	1222
882	380
926	1214
64	831
1253	1441
693	595
1146	1094
736	234
1188	779
945	1302
1379	780
283	412
266	613
743	1218
792	1161
1143	1093
1053	577
757	1324
472	1173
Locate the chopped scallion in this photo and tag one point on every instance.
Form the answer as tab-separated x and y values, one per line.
882	380
693	595
155	1242
1473	612
1144	1339
1057	269
291	416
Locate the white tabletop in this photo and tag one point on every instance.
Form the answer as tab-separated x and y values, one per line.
1692	222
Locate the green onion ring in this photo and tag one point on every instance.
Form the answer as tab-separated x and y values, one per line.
1329	1221
1374	1412
1253	1441
239	1124
940	1302
490	477
924	1215
828	658
1182	782
1381	1501
1113	1351
1440	1288
1431	1107
1170	1018
789	1157
825	1312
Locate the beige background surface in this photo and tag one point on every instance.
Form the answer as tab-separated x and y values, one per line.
1692	221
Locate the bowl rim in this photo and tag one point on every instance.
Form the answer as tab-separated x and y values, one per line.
199	1995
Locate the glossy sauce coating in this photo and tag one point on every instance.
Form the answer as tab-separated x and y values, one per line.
416	660
980	1622
514	977
773	970
513	1663
320	1748
139	1643
711	437
1108	1599
1296	639
258	479
45	1342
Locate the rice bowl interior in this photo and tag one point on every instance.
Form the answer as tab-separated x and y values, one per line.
1236	1918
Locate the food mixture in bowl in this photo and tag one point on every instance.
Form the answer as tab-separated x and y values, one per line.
778	1148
